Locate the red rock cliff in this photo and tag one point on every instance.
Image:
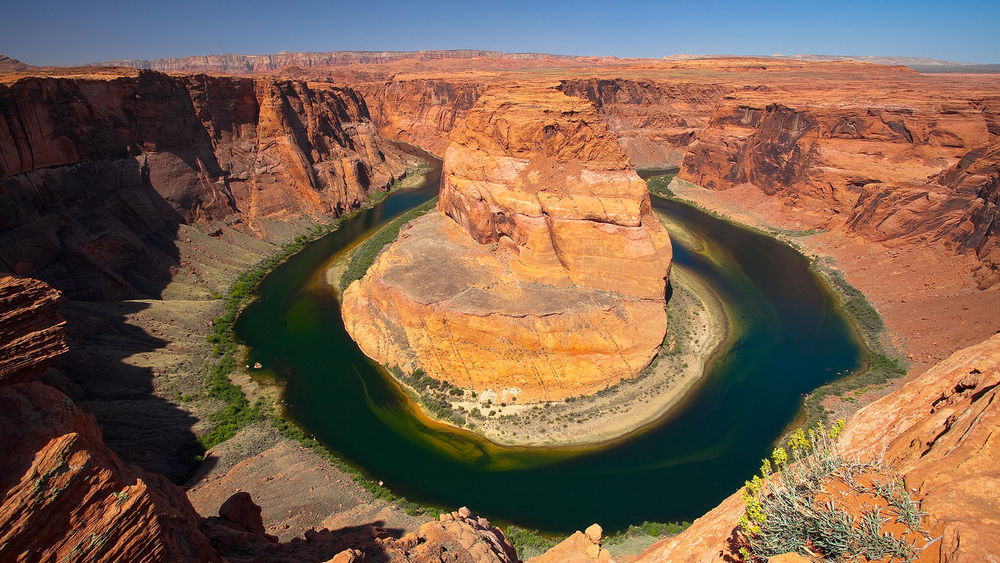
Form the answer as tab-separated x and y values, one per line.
96	173
63	494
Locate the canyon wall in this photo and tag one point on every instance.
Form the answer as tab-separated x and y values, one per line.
876	152
141	196
543	274
421	111
903	171
97	173
655	120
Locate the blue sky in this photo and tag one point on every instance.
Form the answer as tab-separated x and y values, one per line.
69	32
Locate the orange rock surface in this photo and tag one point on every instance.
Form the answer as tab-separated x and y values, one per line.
63	494
66	496
543	276
938	431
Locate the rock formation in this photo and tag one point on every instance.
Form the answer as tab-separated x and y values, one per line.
937	431
32	334
421	111
96	174
63	494
543	275
67	496
911	175
262	64
580	547
8	64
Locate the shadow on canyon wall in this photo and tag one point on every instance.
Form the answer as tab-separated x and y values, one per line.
103	236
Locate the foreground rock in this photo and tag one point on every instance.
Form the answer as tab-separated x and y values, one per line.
937	431
66	496
543	275
63	494
581	547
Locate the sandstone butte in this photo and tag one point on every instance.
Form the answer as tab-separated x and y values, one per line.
542	276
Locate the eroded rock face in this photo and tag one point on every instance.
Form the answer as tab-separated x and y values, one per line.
32	334
422	111
902	171
66	496
96	174
543	276
939	430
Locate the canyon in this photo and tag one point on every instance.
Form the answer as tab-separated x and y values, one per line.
141	195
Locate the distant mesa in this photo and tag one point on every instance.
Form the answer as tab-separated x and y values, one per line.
263	64
8	64
543	274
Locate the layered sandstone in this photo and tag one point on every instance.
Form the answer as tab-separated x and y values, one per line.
543	275
63	494
66	496
97	173
421	111
911	174
32	334
938	432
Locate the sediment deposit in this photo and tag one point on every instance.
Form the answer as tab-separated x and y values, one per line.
543	275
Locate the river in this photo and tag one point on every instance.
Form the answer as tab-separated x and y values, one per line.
789	337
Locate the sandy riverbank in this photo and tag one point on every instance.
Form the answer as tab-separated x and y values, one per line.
697	326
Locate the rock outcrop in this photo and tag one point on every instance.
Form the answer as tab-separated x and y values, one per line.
32	334
543	275
96	173
8	64
63	494
66	496
580	547
937	431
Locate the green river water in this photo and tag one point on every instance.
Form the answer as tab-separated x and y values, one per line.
789	337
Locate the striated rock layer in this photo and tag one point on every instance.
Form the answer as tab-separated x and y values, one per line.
938	431
32	334
63	494
66	496
97	172
543	276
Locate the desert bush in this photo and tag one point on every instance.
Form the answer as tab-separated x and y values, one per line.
785	511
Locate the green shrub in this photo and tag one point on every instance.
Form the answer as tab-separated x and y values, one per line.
783	512
529	543
364	256
658	185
